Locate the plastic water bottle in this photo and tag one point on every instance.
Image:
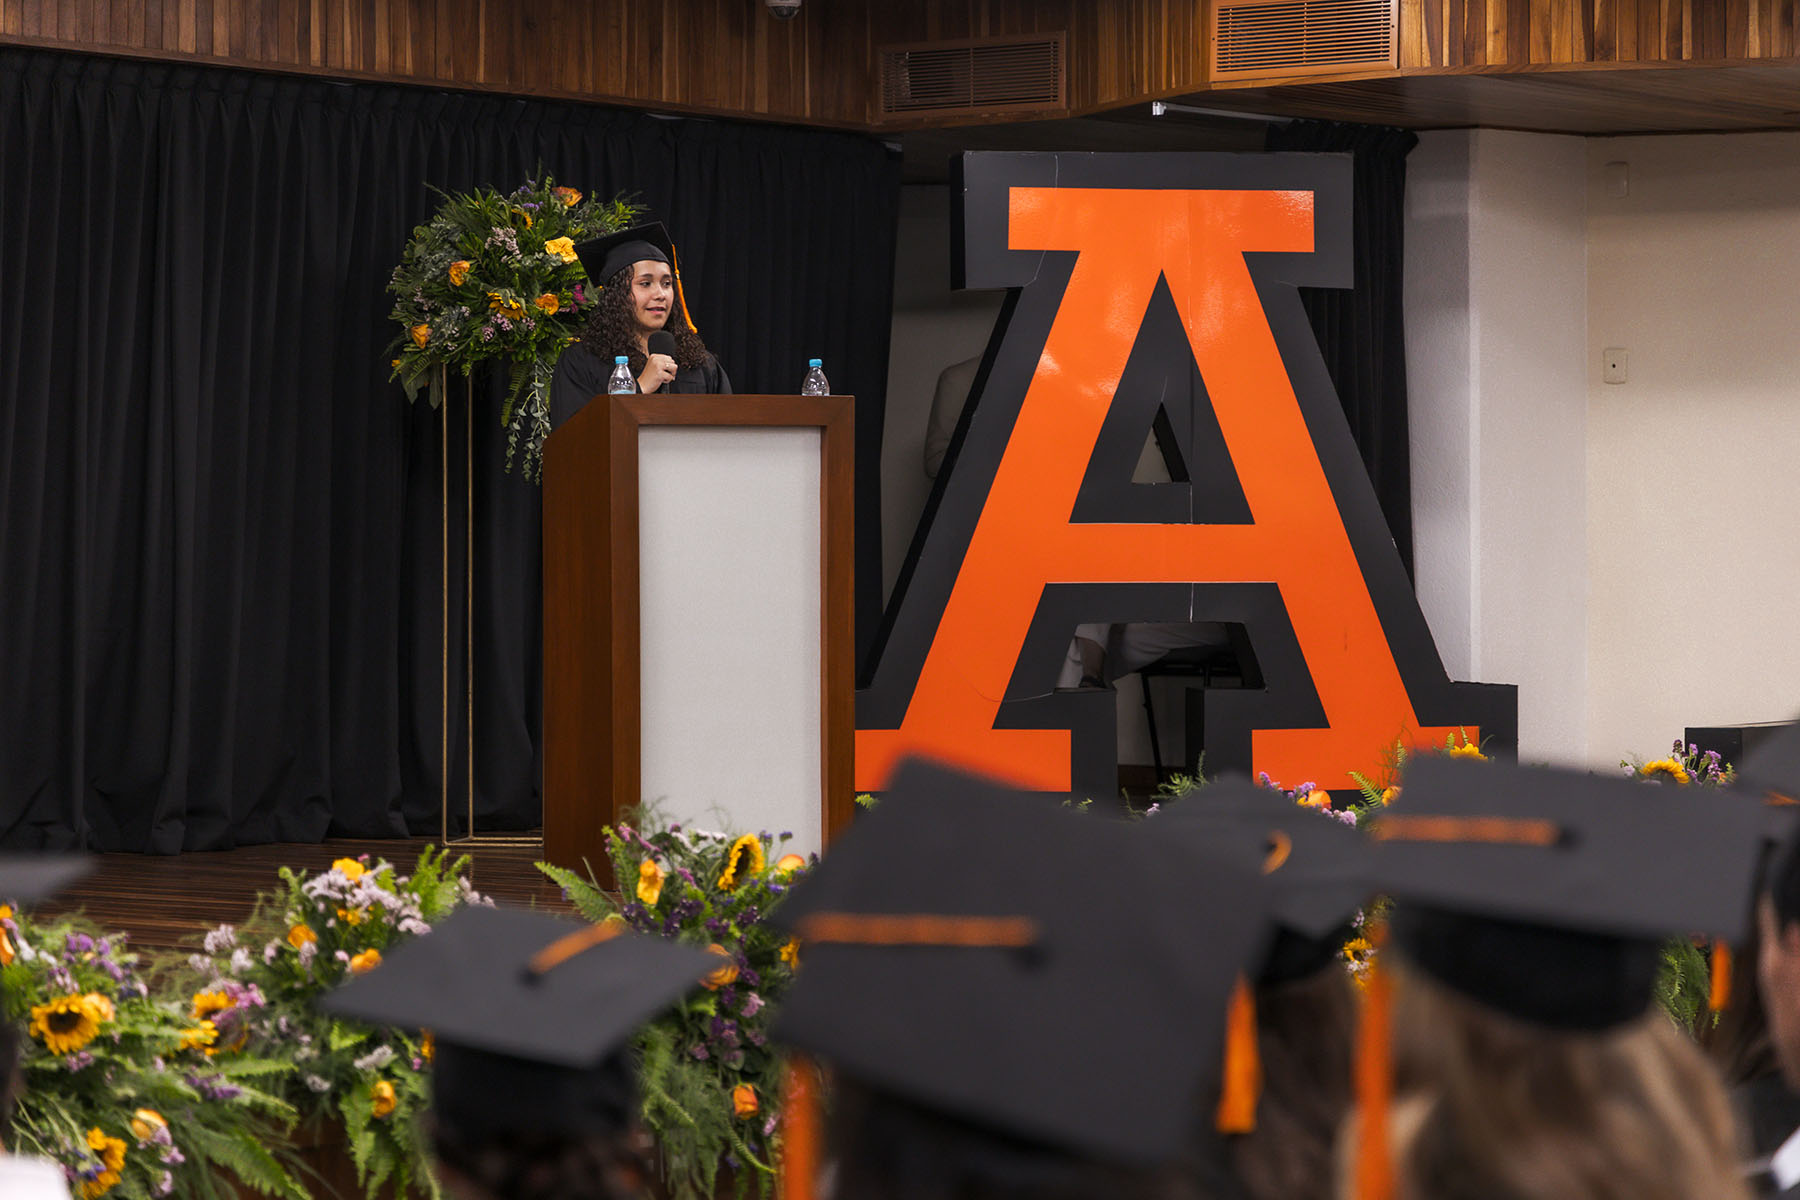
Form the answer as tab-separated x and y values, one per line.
816	384
623	382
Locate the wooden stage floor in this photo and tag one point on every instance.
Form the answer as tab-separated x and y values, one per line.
162	900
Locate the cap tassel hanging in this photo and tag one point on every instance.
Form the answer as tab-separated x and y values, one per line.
680	292
1243	1065
799	1131
1375	1086
1718	996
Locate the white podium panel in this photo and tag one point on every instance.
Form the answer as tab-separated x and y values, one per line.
729	587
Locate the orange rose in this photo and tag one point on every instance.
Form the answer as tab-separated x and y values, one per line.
568	195
725	974
300	935
787	864
420	335
368	960
384	1099
790	953
459	271
743	1101
548	303
1317	798
1388	795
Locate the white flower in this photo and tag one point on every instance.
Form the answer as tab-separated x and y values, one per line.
240	961
317	1084
221	939
375	1059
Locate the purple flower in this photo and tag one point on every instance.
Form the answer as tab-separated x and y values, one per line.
79	1060
752	1005
699	1051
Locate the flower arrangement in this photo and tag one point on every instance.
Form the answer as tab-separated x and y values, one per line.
494	276
127	1092
255	988
1685	764
709	1079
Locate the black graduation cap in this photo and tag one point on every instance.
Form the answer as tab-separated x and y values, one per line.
1545	893
604	257
1044	974
531	1014
1772	774
1317	865
26	879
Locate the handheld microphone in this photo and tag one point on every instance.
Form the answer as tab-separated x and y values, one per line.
661	342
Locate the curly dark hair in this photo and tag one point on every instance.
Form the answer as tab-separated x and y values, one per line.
611	328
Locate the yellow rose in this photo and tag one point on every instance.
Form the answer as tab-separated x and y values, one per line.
145	1122
349	868
1388	795
385	1101
1467	750
459	271
743	1101
548	303
568	195
420	335
650	881
790	953
100	1006
725	974
368	960
428	1047
562	247
300	935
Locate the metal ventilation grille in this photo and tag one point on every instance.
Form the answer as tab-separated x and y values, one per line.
1262	38
982	74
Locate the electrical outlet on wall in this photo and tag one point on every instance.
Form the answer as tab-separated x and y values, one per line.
1613	364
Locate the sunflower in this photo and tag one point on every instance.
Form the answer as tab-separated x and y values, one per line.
208	1003
66	1024
383	1099
650	881
200	1037
1665	768
111	1153
737	866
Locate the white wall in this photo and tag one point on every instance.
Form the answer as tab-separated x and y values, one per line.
1692	483
1496	348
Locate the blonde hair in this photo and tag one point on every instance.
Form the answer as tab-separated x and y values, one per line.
1489	1107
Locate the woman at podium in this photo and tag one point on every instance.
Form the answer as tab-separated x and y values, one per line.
640	312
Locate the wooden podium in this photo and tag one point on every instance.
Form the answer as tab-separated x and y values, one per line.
698	617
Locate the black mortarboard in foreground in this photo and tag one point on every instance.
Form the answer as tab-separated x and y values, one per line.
531	1015
1316	865
604	257
1545	893
26	879
1772	775
1044	974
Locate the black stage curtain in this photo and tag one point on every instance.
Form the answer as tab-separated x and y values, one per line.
220	524
1362	330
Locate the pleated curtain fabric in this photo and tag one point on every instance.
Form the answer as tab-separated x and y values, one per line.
1362	329
220	523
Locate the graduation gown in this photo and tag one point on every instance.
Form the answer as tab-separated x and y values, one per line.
581	375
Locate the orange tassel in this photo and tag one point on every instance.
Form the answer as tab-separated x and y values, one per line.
799	1131
1718	997
1375	1088
680	292
1243	1064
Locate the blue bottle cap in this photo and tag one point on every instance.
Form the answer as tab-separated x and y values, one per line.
815	362
621	359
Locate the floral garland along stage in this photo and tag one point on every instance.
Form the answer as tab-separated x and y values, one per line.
708	1077
493	277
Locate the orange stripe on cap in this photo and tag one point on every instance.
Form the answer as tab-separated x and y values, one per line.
799	1131
1508	831
917	929
564	948
1778	799
1280	846
1374	1178
1242	1073
1718	995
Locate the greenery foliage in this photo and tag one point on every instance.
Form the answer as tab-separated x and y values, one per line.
495	277
709	1079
